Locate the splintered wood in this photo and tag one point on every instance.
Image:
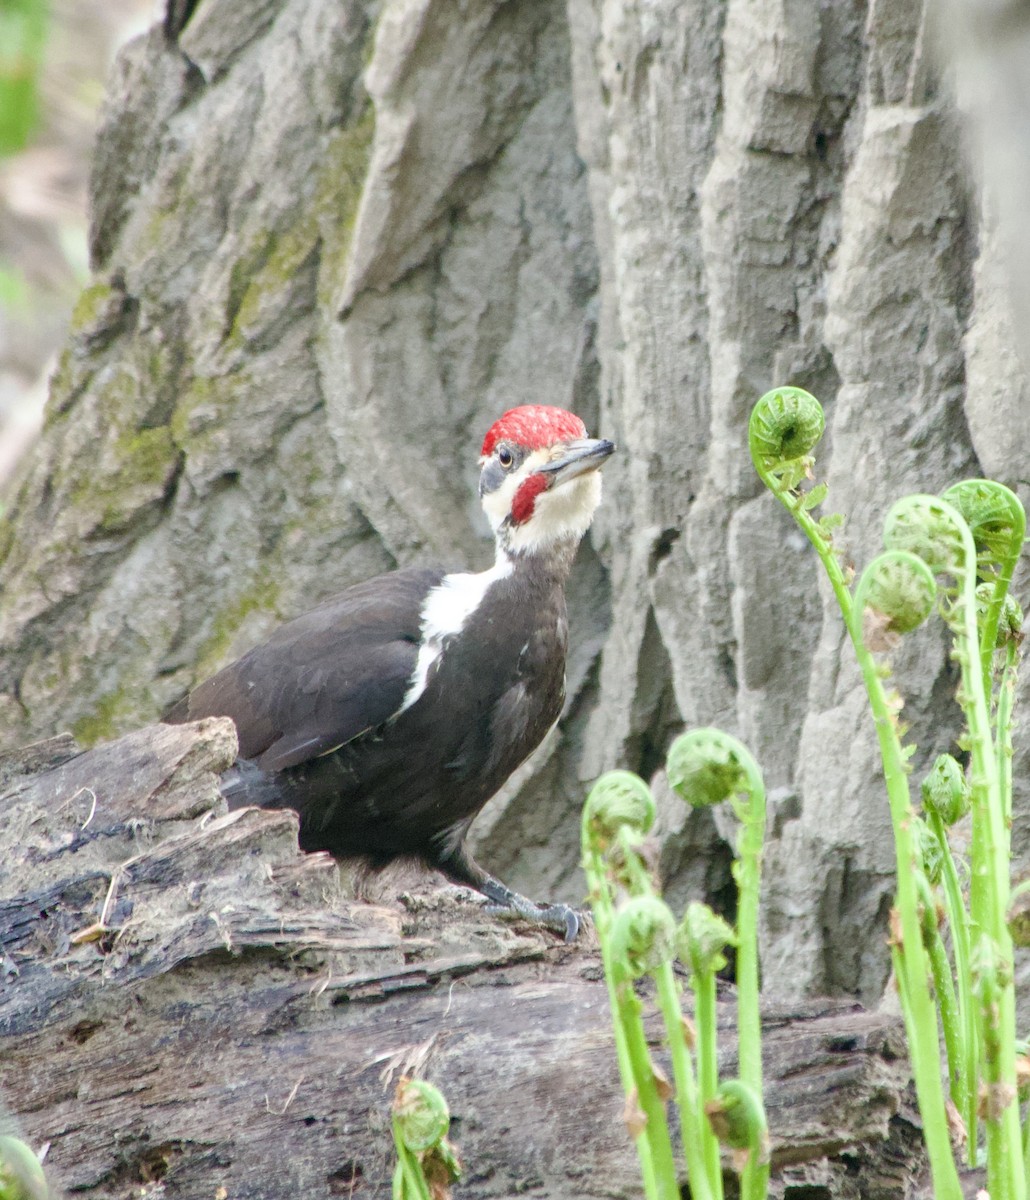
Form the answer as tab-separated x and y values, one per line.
190	1006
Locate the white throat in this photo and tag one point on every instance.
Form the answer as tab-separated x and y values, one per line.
562	514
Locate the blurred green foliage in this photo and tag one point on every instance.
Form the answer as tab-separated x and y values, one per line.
23	32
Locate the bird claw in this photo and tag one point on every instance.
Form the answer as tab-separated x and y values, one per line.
559	918
562	919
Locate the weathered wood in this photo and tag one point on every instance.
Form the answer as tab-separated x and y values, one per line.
189	1004
334	239
19	763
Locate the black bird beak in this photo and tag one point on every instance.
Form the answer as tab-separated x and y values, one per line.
576	458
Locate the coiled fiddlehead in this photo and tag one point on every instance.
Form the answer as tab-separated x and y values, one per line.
618	800
738	1117
944	549
702	939
704	767
426	1161
786	426
643	935
997	521
1010	623
929	528
900	587
617	815
420	1114
945	790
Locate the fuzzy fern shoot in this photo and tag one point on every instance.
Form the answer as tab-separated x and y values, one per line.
426	1161
954	554
639	936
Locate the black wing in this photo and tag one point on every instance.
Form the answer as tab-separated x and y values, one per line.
323	678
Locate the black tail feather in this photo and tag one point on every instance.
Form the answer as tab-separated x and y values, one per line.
245	785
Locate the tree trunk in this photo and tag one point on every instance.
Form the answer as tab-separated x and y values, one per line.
193	1008
332	241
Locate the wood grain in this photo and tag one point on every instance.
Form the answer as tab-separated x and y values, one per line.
189	1004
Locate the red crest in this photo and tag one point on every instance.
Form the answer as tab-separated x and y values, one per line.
534	426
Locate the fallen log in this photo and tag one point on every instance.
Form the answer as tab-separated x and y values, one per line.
191	1007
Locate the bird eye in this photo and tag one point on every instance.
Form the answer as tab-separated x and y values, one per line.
505	457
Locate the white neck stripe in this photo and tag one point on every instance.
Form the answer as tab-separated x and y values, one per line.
444	613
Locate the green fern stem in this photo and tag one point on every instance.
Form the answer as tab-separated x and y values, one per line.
699	1141
944	986
910	957
968	1054
1003	727
698	1137
627	1048
911	961
409	1182
989	892
656	1129
747	871
703	986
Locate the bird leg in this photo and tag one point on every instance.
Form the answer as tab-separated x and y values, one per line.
459	865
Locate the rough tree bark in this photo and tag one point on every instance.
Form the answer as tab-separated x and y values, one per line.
332	240
193	1008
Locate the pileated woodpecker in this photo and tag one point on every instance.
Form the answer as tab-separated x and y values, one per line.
390	714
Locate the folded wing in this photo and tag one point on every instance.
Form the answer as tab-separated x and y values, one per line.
324	678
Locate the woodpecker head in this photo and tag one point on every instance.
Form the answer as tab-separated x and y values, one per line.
540	483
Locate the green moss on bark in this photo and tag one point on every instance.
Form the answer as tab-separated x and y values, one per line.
6	538
91	306
145	463
261	596
114	712
263	275
338	198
